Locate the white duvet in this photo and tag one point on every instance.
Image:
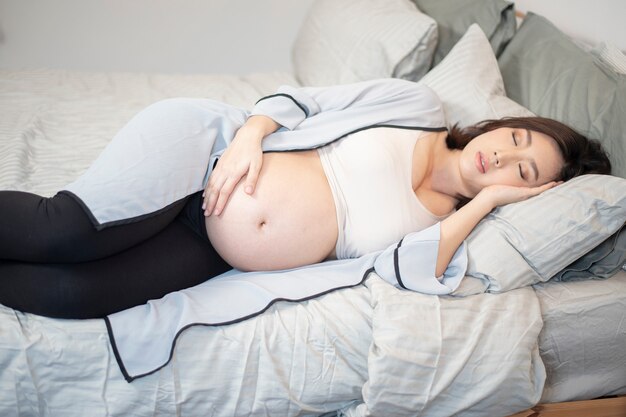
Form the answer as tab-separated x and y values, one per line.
372	350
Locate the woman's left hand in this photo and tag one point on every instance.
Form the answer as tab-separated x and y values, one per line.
499	195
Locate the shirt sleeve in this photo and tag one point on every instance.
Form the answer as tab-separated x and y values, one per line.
411	263
292	105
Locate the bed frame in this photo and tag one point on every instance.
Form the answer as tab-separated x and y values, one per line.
602	407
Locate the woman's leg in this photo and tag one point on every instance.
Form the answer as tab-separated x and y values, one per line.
57	229
175	258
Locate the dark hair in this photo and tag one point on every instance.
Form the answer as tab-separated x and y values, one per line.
581	154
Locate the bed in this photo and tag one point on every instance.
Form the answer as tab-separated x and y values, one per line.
527	326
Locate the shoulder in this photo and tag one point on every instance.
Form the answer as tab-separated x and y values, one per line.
410	89
429	94
419	103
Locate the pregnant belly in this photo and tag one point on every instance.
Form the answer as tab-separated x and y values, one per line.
288	221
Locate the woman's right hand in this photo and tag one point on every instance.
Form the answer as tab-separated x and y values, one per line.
499	195
243	157
456	227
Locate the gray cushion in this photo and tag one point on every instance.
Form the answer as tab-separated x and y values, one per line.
602	262
495	17
546	72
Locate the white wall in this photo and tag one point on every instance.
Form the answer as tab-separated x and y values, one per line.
188	36
200	36
592	21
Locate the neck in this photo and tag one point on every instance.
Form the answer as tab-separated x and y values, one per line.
443	175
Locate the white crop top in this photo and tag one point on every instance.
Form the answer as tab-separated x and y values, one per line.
370	173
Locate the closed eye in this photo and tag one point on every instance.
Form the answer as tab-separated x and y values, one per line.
521	173
513	136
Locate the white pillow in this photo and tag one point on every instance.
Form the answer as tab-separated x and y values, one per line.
611	56
346	41
469	83
529	242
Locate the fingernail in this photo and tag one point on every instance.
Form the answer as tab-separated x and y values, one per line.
249	189
206	213
203	206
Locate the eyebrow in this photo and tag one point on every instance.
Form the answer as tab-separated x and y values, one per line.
533	164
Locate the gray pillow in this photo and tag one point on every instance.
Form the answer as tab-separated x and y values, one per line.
549	74
529	242
602	262
495	17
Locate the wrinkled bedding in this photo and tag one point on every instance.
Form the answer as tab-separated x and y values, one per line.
287	362
362	350
372	348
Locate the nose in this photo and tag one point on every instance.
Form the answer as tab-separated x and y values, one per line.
497	159
502	158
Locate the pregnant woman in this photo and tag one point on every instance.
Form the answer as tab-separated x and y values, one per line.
191	188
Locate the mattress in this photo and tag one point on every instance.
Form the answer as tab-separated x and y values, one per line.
583	338
56	122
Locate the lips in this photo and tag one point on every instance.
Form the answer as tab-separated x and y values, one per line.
482	164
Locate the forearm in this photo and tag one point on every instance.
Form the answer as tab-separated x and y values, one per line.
456	228
403	100
459	225
261	125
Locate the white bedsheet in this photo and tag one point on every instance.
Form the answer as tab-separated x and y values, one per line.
304	359
54	123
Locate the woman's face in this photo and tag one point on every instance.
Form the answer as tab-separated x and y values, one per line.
509	156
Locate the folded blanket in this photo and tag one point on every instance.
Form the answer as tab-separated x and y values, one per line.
449	356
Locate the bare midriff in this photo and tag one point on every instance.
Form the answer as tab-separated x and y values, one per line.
288	221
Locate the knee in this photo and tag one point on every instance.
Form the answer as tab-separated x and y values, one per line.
57	247
45	290
62	232
178	114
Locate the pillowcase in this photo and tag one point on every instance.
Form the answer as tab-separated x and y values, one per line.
548	73
454	17
469	83
528	242
345	41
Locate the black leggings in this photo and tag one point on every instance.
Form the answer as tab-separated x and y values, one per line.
54	263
